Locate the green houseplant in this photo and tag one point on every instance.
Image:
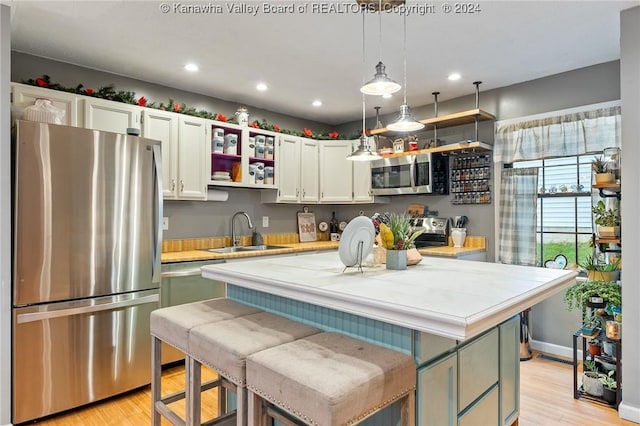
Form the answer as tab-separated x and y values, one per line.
591	383
601	170
607	220
609	385
578	295
397	237
598	270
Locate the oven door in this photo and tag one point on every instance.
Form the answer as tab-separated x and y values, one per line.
393	175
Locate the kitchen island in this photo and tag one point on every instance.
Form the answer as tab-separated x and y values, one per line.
458	319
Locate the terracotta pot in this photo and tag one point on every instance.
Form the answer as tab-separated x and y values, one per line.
595	349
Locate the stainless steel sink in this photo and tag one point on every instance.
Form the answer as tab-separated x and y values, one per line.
242	248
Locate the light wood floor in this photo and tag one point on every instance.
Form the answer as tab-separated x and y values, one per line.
546	398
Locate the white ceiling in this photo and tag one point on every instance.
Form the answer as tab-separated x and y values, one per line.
319	55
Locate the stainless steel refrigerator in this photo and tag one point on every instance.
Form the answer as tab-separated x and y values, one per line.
87	243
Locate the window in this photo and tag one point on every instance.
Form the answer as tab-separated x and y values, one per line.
564	207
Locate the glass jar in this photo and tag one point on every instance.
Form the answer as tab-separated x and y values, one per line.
612	160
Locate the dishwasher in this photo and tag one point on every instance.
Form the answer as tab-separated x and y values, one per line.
182	282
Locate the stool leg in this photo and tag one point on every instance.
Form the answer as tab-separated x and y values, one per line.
193	376
257	416
156	376
408	409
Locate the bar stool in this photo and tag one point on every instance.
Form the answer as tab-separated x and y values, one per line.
328	379
224	347
172	325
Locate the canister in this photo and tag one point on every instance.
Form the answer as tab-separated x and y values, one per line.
217	144
259	165
268	175
252	146
269	141
259	149
259	176
252	173
268	152
231	144
218	132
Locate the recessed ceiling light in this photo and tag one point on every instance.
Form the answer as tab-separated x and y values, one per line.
317	103
453	77
191	67
387	95
261	87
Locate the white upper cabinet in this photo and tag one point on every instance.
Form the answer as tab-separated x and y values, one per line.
362	177
163	126
24	95
309	171
110	116
336	172
194	135
289	168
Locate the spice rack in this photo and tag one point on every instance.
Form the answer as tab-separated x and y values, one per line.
470	179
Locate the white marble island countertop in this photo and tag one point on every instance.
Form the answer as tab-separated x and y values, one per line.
451	298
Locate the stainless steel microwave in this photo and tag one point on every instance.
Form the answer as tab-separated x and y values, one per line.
424	173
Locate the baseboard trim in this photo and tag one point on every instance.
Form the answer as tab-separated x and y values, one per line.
553	349
629	412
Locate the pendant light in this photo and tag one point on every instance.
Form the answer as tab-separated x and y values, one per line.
363	153
380	84
405	121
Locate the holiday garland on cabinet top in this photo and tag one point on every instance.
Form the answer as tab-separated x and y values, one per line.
128	97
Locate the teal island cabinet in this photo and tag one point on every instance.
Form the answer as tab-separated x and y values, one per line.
459	320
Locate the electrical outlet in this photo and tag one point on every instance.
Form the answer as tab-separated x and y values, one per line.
165	223
265	221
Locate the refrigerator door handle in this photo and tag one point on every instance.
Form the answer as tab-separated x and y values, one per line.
157	164
40	316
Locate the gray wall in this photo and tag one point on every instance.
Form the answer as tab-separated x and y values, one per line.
24	67
630	83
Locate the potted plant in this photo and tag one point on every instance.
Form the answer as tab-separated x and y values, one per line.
600	271
590	323
397	237
591	383
594	346
607	220
609	386
582	294
601	170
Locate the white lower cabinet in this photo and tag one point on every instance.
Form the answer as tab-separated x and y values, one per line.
24	95
336	172
438	393
110	116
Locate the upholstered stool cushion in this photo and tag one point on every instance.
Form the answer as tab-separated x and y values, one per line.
172	324
225	345
329	378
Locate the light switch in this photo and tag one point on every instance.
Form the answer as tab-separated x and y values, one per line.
165	223
265	221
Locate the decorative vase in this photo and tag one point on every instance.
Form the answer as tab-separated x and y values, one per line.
458	235
397	259
608	231
591	384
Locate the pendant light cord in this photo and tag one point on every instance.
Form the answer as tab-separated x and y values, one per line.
364	67
380	30
404	52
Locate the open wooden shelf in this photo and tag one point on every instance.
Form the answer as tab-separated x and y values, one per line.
449	120
452	148
609	186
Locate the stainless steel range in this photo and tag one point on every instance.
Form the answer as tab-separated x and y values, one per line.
436	231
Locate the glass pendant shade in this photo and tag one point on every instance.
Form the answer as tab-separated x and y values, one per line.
380	84
363	153
405	122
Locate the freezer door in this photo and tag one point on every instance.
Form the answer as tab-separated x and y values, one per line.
88	212
71	353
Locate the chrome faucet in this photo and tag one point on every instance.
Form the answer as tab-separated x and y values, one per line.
234	240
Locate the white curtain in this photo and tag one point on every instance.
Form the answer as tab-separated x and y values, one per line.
518	216
559	136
